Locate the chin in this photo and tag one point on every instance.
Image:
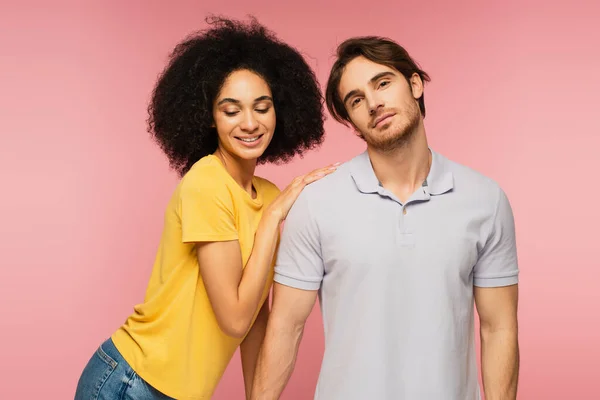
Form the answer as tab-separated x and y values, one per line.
249	154
390	133
390	138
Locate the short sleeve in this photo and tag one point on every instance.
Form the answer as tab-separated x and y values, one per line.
299	262
497	264
206	210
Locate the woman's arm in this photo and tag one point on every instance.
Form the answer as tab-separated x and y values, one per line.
233	291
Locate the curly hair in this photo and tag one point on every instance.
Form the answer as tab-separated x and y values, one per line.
180	112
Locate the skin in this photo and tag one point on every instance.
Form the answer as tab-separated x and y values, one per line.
244	109
383	108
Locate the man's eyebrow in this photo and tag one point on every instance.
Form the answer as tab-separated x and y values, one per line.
350	94
372	80
381	75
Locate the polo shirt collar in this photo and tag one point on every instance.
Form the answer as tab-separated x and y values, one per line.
439	180
363	175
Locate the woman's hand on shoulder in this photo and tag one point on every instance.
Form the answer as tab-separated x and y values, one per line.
282	204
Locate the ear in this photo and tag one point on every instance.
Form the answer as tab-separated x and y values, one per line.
416	85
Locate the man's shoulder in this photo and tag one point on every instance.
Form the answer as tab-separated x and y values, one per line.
329	186
469	179
317	199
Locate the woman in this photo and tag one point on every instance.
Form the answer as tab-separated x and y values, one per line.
232	97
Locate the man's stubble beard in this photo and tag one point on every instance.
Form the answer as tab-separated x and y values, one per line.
400	138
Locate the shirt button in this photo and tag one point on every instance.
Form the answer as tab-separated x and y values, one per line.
404	212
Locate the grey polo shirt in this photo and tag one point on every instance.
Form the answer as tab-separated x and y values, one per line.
396	280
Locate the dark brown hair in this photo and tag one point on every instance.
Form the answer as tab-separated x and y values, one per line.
374	48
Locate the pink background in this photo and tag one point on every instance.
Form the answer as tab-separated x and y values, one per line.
515	94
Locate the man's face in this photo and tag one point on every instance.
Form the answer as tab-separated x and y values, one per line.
381	104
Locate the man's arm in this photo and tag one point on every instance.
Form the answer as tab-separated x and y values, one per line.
497	309
291	308
250	347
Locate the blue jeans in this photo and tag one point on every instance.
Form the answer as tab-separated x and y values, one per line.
107	376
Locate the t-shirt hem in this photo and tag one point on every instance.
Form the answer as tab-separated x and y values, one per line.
156	383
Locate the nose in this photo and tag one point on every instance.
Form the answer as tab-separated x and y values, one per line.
374	102
249	123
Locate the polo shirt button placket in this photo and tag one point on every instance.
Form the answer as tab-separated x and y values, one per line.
405	236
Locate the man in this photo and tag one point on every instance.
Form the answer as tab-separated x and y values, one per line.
399	243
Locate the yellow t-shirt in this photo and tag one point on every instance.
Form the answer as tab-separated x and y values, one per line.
172	340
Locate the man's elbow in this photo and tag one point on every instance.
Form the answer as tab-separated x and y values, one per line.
282	326
491	329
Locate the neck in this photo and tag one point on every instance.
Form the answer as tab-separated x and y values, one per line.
403	169
242	171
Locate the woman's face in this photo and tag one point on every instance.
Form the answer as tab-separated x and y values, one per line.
244	115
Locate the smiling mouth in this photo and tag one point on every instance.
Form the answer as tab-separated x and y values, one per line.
249	140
